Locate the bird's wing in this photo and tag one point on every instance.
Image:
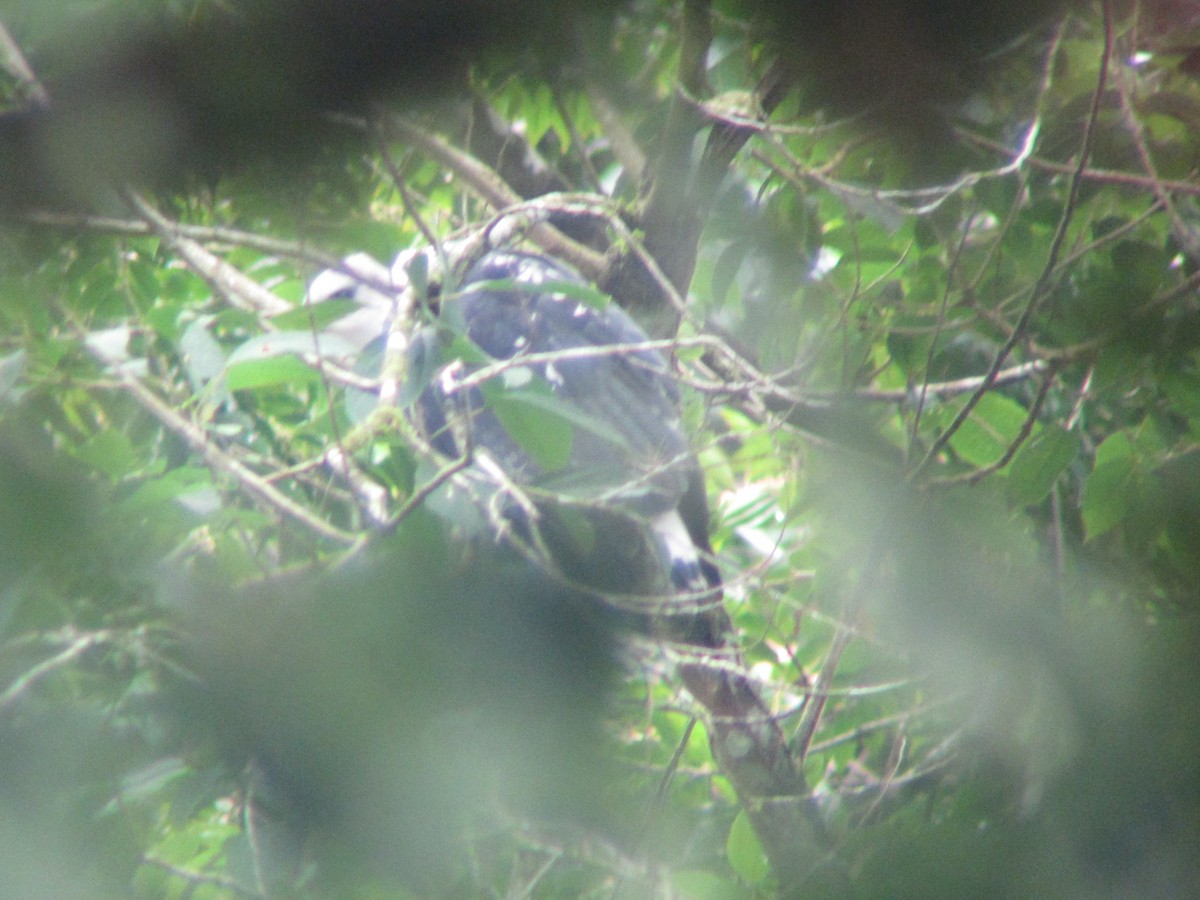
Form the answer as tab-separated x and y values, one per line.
515	304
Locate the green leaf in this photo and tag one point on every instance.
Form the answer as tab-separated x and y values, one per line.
12	371
745	853
542	433
1115	447
270	359
535	392
109	451
418	275
1039	463
146	783
319	314
166	487
1140	267
279	343
1109	490
259	373
989	431
696	884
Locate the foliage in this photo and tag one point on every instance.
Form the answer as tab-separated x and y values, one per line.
944	403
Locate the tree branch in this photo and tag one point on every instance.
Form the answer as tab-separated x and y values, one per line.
13	61
239	289
78	646
1042	285
492	189
254	484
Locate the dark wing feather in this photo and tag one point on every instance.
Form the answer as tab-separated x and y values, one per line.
638	450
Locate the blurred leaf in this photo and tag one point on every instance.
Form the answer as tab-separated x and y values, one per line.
1108	493
1039	463
694	884
319	315
725	270
990	430
746	856
146	783
534	420
203	358
249	374
278	343
584	293
110	452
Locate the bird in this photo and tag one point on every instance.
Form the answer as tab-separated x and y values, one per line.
620	503
628	454
577	366
629	482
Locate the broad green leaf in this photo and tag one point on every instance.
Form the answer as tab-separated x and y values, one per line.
909	347
276	370
424	359
278	343
989	431
1106	498
1109	490
745	853
146	783
144	277
418	275
1039	463
1140	267
540	432
725	270
270	359
537	393
12	371
111	452
1115	447
167	487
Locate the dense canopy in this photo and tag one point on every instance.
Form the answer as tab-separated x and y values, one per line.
913	295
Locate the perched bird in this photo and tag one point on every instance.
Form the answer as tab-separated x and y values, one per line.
624	510
627	454
584	417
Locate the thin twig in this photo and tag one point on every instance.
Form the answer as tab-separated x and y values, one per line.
79	646
1183	233
239	289
1042	286
1031	418
214	879
422	493
943	389
858	732
495	192
13	61
254	484
213	233
1102	176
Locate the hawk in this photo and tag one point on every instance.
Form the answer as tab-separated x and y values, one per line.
620	502
574	364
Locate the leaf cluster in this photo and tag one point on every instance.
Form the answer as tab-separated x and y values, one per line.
943	382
